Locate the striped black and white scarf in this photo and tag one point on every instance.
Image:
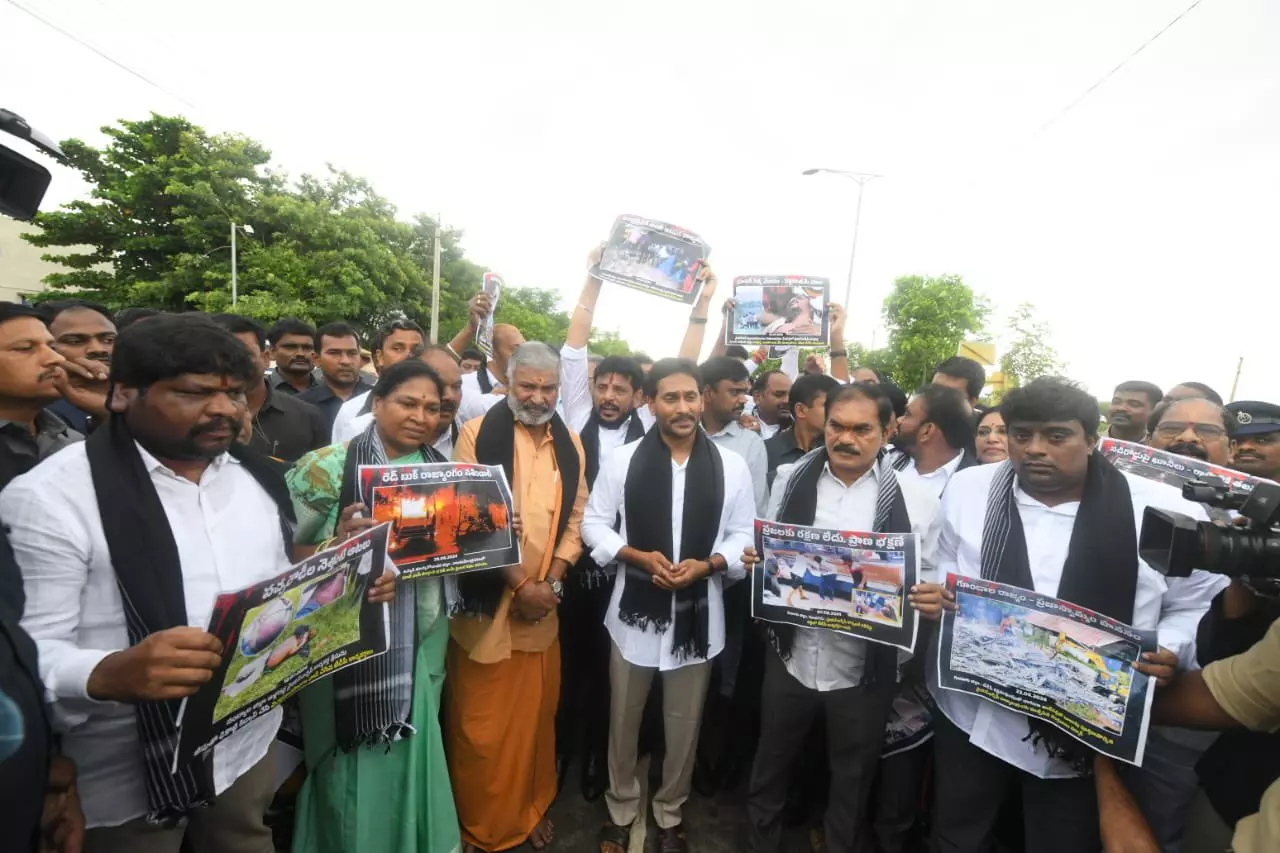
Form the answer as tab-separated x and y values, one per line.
799	506
148	569
373	700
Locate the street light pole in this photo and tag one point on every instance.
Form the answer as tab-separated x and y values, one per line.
862	179
234	283
435	285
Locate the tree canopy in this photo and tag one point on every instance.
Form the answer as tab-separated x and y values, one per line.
927	318
1028	355
158	223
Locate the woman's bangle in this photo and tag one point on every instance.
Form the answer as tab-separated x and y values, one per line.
697	321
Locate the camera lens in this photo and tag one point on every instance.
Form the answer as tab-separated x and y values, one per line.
1235	552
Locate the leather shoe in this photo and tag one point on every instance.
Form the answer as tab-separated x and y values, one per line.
595	777
672	840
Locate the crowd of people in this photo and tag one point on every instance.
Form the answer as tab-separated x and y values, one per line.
149	461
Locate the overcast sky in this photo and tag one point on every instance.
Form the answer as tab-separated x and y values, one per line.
1143	223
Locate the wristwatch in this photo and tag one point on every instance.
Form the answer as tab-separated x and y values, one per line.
557	588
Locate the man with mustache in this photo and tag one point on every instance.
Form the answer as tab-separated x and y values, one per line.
440	359
338	349
1194	427
843	483
504	656
125	517
602	406
397	341
1255	438
83	333
686	514
293	348
280	426
31	373
1131	406
1058	518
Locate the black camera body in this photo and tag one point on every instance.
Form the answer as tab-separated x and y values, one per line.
1175	544
23	181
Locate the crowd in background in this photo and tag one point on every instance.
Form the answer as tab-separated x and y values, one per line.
149	461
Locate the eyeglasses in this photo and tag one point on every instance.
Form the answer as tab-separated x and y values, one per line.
1173	429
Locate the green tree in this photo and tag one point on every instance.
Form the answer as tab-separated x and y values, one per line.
927	318
157	228
607	344
1028	354
877	359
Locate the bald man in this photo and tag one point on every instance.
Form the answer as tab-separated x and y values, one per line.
484	388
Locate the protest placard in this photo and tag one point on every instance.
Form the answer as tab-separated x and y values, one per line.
280	635
779	310
850	582
654	257
1174	470
1049	659
484	332
446	517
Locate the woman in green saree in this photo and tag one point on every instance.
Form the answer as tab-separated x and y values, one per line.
376	773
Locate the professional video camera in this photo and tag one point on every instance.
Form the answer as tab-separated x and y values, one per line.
1175	544
22	180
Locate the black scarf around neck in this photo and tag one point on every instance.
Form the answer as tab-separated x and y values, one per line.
144	557
1100	572
480	592
800	506
591	439
647	507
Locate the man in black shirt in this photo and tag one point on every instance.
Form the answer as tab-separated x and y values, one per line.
293	347
30	371
338	358
281	426
807	403
83	332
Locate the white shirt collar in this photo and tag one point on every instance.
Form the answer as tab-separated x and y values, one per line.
828	474
151	463
1025	500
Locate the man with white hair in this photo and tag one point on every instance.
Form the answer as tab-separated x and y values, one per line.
504	649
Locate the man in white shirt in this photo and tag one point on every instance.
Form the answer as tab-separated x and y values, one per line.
936	434
771	391
1058	518
686	515
153	511
484	389
395	342
843	485
440	359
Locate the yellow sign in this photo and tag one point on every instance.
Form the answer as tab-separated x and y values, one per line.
983	353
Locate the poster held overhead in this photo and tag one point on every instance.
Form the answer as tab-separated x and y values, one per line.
446	517
780	310
844	581
484	334
280	635
1050	660
654	257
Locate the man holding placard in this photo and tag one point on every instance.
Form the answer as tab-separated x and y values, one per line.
843	484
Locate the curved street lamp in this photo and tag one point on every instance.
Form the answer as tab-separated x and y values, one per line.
862	179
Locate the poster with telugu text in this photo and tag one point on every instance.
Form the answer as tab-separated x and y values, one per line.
446	517
850	582
1175	470
1049	659
280	635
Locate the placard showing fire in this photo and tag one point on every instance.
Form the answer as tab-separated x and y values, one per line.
446	518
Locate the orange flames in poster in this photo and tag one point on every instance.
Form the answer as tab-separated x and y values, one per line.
440	515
